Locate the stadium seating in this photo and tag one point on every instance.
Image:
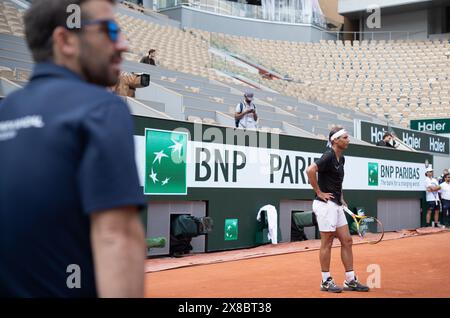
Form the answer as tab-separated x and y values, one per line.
395	80
399	79
209	96
10	19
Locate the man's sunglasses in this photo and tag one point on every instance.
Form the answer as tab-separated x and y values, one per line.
111	26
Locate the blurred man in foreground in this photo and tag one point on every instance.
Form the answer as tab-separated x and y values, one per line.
69	189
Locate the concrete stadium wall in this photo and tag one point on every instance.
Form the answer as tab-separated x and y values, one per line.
415	22
399	212
440	163
209	21
347	6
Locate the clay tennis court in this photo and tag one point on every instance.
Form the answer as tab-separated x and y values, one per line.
410	267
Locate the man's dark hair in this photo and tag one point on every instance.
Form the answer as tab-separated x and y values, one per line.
151	51
333	131
41	19
387	134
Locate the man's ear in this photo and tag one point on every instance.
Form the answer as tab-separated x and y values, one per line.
65	43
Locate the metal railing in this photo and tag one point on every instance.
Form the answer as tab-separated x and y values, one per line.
227	66
375	35
225	44
254	12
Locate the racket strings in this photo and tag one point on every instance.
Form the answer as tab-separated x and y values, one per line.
366	224
371	230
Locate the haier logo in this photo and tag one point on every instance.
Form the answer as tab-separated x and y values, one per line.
375	134
438	125
437	145
431	126
411	140
416	140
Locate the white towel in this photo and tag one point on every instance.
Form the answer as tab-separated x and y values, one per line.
272	222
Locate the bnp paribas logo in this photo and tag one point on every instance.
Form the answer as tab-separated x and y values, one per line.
373	173
165	162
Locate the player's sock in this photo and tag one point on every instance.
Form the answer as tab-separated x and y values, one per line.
349	276
325	276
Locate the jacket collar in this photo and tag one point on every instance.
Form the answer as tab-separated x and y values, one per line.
49	69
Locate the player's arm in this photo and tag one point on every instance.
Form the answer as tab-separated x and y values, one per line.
118	246
432	188
311	172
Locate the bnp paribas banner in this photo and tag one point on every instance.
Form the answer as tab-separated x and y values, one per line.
170	164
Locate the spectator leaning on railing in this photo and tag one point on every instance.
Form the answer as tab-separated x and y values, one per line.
387	141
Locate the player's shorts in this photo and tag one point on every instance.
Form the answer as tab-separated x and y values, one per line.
432	205
330	216
445	204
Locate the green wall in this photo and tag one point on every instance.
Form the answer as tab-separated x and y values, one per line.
243	204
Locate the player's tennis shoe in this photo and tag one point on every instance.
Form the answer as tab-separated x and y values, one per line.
330	286
354	285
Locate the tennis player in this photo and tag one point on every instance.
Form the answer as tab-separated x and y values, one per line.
328	209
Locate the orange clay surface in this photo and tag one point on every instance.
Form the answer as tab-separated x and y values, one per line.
414	266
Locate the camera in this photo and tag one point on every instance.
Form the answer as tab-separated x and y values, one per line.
129	82
144	79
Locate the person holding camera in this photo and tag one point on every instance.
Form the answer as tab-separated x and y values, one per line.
128	82
246	116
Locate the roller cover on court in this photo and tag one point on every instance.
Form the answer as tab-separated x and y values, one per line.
272	221
158	242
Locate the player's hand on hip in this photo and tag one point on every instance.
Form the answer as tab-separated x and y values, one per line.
325	196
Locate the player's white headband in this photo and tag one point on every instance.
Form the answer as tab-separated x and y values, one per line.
336	135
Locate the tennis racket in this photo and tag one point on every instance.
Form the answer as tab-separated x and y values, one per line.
369	229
